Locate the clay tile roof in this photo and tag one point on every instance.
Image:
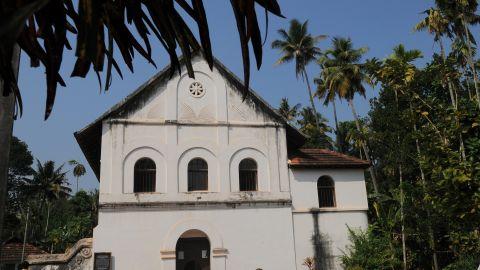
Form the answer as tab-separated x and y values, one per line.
11	252
323	158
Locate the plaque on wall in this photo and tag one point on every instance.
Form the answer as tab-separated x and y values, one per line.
101	261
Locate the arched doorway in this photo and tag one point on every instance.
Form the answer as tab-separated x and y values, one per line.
193	251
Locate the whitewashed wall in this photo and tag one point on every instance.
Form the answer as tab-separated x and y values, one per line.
245	239
329	224
246	230
217	127
222	130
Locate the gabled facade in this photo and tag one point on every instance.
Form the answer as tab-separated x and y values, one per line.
192	176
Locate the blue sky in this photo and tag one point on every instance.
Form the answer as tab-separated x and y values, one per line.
376	24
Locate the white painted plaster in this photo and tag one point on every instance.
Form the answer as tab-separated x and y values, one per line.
268	229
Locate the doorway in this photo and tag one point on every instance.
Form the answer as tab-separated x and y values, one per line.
193	251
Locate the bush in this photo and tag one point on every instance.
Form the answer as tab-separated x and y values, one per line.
369	251
468	262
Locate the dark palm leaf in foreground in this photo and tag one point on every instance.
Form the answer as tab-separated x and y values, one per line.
40	28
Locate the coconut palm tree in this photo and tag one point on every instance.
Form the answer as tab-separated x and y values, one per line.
344	74
328	97
459	54
298	45
318	136
78	170
438	25
48	184
287	111
461	14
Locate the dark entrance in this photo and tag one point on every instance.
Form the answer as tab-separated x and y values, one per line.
193	251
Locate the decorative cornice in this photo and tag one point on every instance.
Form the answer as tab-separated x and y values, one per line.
189	123
182	205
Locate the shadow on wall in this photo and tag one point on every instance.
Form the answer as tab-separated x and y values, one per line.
321	247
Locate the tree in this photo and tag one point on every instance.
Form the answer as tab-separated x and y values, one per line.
287	111
41	29
78	170
438	25
347	139
461	14
47	185
329	97
317	136
300	46
20	168
398	72
342	72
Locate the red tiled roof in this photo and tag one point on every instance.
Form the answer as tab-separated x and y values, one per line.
12	252
323	158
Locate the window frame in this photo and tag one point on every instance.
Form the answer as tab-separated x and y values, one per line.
326	192
199	171
147	172
253	171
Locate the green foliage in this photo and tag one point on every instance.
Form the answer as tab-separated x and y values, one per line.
466	262
20	163
318	138
369	250
56	220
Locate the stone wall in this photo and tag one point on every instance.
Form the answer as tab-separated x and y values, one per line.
80	256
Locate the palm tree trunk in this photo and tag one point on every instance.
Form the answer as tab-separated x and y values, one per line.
453	101
336	125
310	95
7	109
450	85
77	184
25	234
464	70
365	148
470	61
48	218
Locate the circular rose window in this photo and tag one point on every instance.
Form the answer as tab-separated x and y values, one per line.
196	89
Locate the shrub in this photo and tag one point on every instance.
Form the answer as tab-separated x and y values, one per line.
369	251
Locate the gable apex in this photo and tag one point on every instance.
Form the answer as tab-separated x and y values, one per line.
89	137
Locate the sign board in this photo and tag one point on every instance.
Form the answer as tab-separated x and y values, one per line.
101	261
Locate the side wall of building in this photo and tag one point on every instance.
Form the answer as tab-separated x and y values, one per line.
323	232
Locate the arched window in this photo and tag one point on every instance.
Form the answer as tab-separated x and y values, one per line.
247	170
197	175
144	176
326	192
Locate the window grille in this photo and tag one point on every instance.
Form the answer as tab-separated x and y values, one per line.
144	176
248	175
326	192
197	175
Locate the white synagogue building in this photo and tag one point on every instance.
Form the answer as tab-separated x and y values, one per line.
193	177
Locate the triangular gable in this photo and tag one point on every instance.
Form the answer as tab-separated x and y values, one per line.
89	138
